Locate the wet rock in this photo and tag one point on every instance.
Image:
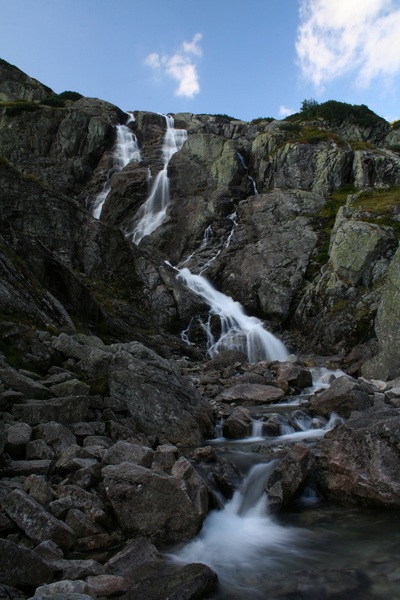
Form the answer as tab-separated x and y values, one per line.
227	477
178	504
293	376
289	477
343	397
251	393
358	462
21	566
238	425
37	523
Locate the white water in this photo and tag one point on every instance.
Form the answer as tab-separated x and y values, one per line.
242	535
126	149
238	331
152	213
249	177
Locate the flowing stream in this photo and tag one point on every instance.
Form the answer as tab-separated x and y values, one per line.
315	551
126	149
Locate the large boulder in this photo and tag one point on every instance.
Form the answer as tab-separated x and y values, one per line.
21	566
37	523
359	461
159	506
136	375
342	397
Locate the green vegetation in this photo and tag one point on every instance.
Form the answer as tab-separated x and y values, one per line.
361	145
337	112
379	206
326	220
224	117
395	124
54	101
68	95
16	108
261	120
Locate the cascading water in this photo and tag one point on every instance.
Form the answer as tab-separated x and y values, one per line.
241	539
238	331
126	149
152	213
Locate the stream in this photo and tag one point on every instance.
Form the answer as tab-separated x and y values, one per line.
314	551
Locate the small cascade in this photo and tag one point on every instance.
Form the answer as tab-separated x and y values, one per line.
235	540
152	213
257	428
126	149
238	331
249	177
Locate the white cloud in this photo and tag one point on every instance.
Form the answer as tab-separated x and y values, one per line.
180	66
285	111
349	36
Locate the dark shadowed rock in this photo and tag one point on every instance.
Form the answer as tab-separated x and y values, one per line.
293	376
238	424
123	451
137	557
21	566
37	523
190	582
167	508
288	478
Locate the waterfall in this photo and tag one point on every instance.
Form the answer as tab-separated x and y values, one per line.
249	177
152	213
238	331
240	536
126	149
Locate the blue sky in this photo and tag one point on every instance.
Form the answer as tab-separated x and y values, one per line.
247	59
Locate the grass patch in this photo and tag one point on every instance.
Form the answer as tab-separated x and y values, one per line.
262	120
68	95
379	206
16	108
361	145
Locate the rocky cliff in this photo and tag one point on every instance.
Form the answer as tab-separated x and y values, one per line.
298	220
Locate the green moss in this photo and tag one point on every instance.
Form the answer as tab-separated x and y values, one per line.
378	206
361	145
15	108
